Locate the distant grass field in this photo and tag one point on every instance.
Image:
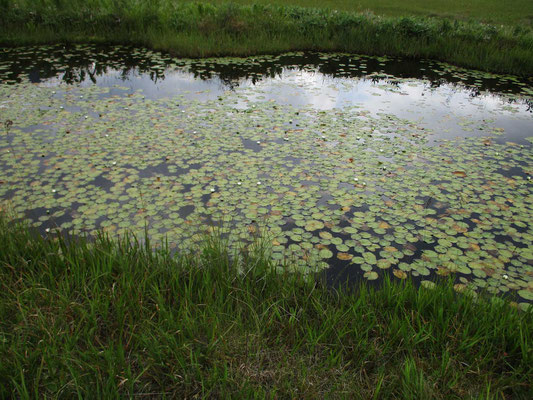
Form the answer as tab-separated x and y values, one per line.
229	29
509	12
113	319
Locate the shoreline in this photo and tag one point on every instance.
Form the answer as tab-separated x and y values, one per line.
206	30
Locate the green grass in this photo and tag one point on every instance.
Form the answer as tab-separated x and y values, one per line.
207	29
113	318
511	12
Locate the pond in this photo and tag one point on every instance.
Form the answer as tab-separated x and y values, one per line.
356	166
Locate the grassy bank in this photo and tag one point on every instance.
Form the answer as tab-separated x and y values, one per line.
115	319
206	29
514	12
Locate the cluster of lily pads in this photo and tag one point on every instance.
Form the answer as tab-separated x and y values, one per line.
338	186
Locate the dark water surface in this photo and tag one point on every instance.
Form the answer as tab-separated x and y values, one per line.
358	166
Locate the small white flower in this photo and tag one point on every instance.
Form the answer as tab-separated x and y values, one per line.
126	108
114	163
356	179
53	92
60	107
258	182
53	190
258	142
86	116
212	189
81	97
47	230
364	183
239	183
323	137
286	139
106	135
505	276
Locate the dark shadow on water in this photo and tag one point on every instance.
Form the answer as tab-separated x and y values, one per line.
74	64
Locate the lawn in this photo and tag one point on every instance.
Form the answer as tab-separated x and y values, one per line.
510	12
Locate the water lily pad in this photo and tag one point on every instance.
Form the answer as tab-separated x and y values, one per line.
314	225
371	275
398	273
325	235
344	256
370	258
526	294
325	253
428	284
384	264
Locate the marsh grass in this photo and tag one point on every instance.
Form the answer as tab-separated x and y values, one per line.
113	318
205	29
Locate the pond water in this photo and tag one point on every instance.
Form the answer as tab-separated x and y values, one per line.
356	166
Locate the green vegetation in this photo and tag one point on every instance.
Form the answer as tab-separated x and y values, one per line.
514	12
113	318
202	29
